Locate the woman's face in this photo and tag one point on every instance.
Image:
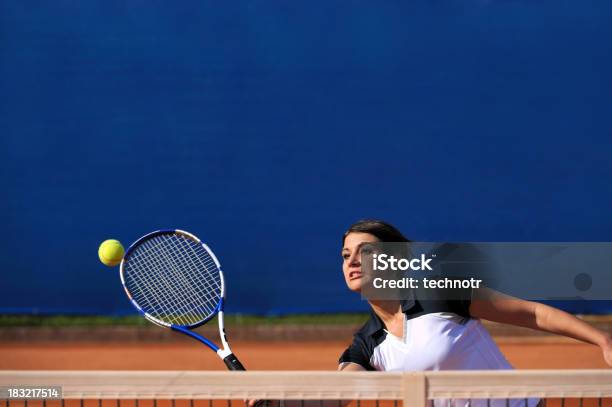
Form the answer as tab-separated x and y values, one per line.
351	258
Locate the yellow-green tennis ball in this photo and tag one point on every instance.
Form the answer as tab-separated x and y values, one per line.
111	252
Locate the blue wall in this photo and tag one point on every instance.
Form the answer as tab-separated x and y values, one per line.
267	127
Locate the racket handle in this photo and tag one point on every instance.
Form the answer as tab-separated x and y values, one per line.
232	362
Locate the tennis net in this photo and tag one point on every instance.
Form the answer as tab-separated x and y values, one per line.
564	388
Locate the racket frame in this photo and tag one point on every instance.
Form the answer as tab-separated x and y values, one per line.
223	352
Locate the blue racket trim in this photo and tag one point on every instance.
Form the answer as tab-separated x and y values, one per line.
196	337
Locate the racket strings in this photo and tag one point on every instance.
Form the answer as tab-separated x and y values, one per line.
174	279
211	279
183	310
181	282
186	281
180	313
211	283
162	305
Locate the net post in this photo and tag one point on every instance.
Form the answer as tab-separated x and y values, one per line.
414	386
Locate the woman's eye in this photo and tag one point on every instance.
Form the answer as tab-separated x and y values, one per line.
346	256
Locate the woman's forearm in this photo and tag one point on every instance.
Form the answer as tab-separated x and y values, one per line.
498	307
553	320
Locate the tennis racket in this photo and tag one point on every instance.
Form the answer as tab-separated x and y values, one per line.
175	281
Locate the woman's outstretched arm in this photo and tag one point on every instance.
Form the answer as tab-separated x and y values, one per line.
497	307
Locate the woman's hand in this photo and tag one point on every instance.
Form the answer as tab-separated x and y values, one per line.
607	351
262	403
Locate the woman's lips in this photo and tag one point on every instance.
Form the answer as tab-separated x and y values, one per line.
354	275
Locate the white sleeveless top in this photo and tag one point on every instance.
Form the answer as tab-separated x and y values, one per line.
434	341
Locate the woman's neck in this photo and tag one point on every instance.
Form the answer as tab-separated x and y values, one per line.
386	309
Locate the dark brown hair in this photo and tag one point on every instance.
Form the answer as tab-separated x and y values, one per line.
385	232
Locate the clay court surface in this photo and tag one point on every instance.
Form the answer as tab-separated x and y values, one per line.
523	354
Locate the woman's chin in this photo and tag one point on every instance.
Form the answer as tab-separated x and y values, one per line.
355	286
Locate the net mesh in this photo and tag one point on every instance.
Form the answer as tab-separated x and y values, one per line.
547	402
173	279
580	388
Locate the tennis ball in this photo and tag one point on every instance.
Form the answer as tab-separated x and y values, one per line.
111	252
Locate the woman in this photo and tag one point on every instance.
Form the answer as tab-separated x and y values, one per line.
443	335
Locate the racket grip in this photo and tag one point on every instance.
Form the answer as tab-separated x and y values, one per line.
232	362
